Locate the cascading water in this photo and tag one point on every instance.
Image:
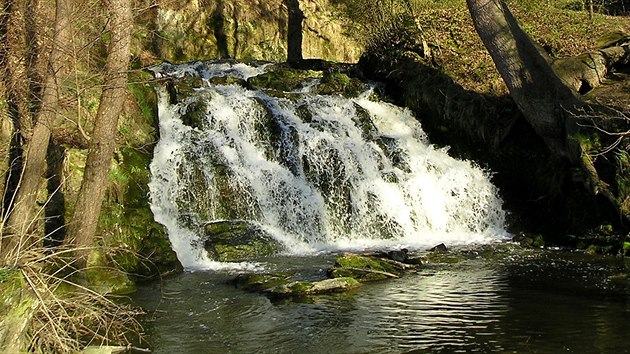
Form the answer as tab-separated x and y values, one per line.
318	172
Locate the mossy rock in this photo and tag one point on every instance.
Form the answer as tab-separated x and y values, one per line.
529	240
260	282
340	84
237	241
104	278
127	226
282	79
363	121
444	257
365	268
180	89
195	114
305	288
601	240
281	285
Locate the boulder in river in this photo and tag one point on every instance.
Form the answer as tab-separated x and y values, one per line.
368	267
237	241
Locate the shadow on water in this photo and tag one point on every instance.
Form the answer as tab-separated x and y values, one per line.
498	299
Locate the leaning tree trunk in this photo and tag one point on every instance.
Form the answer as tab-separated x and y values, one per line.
24	213
541	96
546	102
82	227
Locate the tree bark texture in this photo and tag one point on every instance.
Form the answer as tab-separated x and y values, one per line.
13	52
23	212
587	71
541	96
551	108
82	227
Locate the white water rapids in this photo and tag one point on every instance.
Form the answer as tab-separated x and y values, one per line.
320	173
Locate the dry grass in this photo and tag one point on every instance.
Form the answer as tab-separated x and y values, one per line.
69	316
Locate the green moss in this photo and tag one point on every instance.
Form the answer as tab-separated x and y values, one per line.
359	274
261	282
446	258
104	278
538	241
363	262
195	114
592	249
237	241
299	287
126	222
340	84
626	249
363	268
283	79
590	143
16	310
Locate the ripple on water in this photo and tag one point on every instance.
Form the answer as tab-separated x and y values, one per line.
530	302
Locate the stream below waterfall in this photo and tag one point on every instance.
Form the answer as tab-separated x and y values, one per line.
497	298
321	174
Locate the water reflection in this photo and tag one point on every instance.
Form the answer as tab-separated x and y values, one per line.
528	303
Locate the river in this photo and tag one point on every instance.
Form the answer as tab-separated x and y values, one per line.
493	298
324	174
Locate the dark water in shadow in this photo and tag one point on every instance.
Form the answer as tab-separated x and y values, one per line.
497	299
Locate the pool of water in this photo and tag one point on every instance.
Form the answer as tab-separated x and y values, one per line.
487	299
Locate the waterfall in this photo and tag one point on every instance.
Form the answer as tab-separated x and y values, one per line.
318	172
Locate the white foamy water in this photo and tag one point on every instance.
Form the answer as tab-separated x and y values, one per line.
320	173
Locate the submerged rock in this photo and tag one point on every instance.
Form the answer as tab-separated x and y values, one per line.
260	282
529	240
281	285
366	268
340	84
237	241
283	79
303	288
349	272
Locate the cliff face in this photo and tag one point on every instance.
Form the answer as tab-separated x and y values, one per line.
245	29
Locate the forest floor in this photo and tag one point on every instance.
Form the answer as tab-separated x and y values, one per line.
560	27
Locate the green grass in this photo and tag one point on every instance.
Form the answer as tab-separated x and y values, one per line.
449	31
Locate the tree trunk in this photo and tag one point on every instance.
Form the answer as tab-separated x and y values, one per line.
82	227
541	96
23	213
13	52
551	108
294	31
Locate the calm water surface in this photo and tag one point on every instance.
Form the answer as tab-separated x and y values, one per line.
493	299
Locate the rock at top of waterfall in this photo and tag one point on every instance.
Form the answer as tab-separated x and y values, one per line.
237	241
320	172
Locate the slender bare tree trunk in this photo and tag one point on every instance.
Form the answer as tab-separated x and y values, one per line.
541	96
82	227
23	212
294	30
13	55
